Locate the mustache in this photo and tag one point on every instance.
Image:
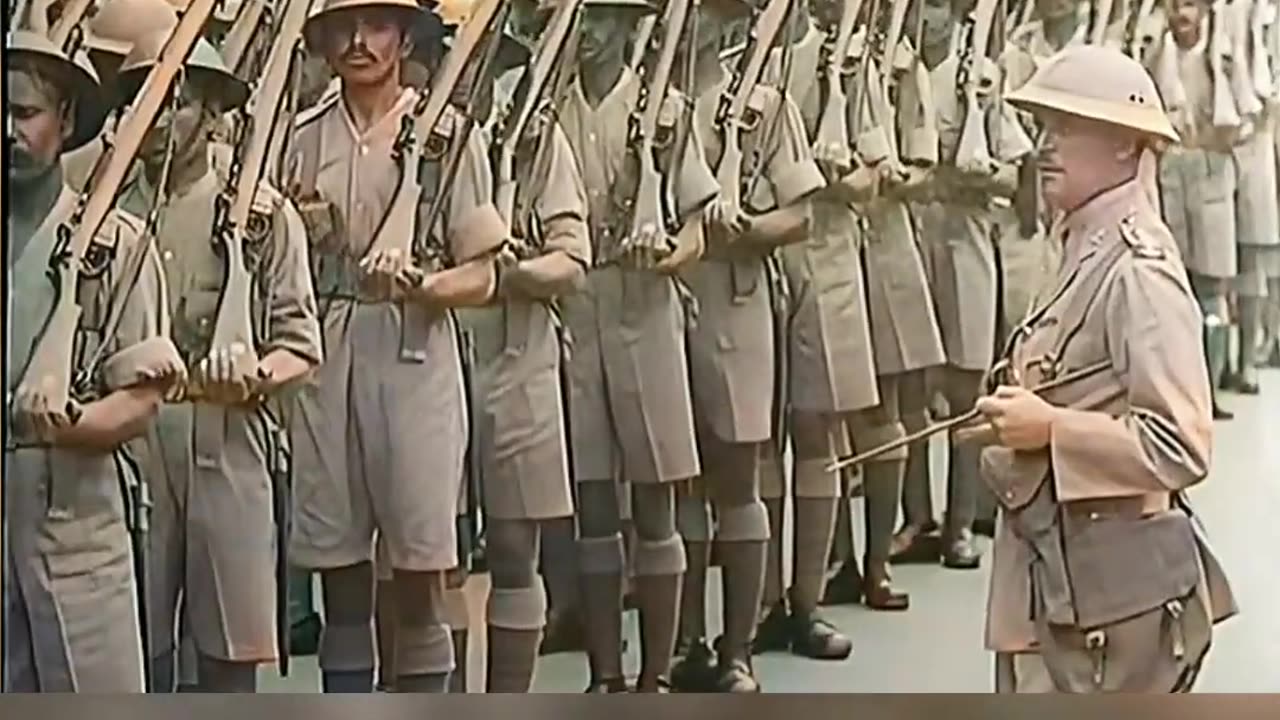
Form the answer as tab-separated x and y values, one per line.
357	51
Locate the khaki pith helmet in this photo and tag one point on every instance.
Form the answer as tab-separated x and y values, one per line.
1099	83
230	91
418	21
119	24
75	77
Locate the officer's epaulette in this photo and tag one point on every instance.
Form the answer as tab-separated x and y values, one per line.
316	111
1139	244
119	231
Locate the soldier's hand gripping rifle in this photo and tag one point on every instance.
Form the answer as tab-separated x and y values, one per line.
233	343
731	115
831	141
648	235
391	252
46	386
976	79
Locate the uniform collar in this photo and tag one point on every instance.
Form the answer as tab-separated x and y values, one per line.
1083	229
390	120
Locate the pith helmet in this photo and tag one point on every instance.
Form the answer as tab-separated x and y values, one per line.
119	24
1099	83
419	22
75	77
230	92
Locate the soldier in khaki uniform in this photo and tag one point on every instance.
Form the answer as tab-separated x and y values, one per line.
70	609
379	443
629	398
211	461
1091	474
832	374
1198	183
960	231
731	348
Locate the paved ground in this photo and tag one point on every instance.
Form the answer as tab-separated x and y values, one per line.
936	646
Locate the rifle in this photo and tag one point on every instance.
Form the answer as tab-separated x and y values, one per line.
395	236
1260	66
974	84
647	217
1133	43
65	31
49	369
1240	70
831	141
731	114
253	16
920	146
1225	112
233	213
1099	20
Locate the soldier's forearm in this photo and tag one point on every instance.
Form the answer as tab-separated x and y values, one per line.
551	275
784	226
470	284
115	419
282	367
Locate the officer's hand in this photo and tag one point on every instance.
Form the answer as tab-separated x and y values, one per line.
229	375
1021	419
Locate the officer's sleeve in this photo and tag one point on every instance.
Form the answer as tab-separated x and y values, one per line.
474	226
293	321
139	349
561	204
791	170
1162	443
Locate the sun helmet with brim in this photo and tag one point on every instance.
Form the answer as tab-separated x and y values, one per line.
229	92
420	23
1098	83
75	77
119	24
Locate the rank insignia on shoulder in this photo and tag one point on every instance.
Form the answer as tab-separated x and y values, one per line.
1139	245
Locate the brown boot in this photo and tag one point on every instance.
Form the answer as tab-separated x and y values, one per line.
878	592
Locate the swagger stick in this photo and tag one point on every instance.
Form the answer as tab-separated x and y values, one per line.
959	420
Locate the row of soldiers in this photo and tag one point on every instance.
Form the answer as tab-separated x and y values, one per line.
370	267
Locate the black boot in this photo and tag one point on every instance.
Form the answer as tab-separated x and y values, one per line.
696	671
773	634
817	639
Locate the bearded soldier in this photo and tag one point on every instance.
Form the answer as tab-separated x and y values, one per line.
1198	183
379	443
210	460
71	615
831	364
731	348
1091	473
960	226
629	396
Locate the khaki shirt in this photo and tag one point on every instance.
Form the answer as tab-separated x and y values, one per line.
598	135
1141	429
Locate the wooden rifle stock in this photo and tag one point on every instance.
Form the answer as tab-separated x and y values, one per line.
527	100
248	23
731	114
1261	71
233	328
973	152
396	233
1225	112
49	369
1099	21
831	141
647	218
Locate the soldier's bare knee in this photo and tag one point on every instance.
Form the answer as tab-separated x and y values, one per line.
693	517
512	552
347	641
599	511
423	642
653	511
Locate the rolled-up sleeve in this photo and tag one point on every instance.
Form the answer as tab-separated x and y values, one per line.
293	320
561	203
474	227
1162	442
792	171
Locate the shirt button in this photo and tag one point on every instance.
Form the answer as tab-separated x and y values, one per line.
364	149
591	137
167	255
1008	494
